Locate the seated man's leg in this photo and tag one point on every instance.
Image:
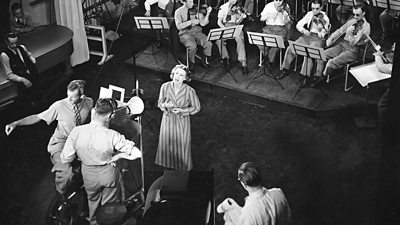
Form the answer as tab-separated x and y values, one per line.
240	49
308	65
222	49
188	40
330	53
201	40
346	56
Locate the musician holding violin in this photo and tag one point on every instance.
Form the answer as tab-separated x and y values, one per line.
314	26
189	23
161	12
277	18
232	14
347	50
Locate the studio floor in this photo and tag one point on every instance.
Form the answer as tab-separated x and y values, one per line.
326	165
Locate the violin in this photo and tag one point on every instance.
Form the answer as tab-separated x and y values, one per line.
319	19
357	26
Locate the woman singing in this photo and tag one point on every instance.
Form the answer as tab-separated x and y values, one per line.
177	100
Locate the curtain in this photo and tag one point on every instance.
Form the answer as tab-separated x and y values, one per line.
69	13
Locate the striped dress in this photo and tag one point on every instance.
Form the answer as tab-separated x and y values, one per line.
175	139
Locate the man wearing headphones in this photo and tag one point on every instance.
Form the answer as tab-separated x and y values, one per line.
98	148
69	112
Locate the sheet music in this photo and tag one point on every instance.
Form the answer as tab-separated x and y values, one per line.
368	73
308	51
155	23
270	40
227	33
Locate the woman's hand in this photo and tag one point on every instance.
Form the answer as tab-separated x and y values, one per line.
177	110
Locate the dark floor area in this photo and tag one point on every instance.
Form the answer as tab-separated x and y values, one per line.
327	167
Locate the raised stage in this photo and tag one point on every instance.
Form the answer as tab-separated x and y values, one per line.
329	97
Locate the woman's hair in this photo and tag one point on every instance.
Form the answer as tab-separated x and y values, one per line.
105	106
249	174
182	67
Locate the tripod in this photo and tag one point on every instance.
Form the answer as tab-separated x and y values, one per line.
152	23
266	40
309	53
223	34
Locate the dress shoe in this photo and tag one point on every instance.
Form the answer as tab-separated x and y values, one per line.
205	64
245	70
283	74
225	62
269	65
317	81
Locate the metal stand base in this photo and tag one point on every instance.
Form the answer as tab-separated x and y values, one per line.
269	75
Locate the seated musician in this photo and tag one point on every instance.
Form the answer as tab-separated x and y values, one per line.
344	12
161	12
189	25
314	26
276	15
386	19
18	20
346	50
19	67
230	14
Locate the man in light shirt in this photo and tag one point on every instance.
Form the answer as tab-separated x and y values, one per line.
347	50
314	26
262	207
161	12
76	106
276	15
229	15
189	23
98	148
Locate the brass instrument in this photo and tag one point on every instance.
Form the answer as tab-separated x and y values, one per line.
334	37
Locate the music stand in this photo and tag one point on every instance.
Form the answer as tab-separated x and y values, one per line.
152	23
225	34
387	4
309	52
365	75
266	40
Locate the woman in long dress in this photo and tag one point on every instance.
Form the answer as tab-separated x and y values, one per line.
177	100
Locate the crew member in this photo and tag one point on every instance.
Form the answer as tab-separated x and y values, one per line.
314	26
189	23
69	112
346	50
231	14
98	148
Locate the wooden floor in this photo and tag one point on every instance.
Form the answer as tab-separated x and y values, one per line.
330	96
